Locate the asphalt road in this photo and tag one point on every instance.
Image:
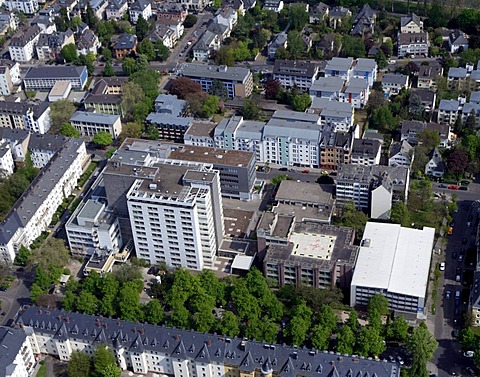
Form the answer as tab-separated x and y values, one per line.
17	295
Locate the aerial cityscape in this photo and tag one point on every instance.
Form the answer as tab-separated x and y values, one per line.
239	188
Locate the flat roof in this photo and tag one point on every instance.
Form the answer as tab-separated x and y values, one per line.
211	155
242	262
98	118
236	222
60	88
303	192
394	258
215	72
313	245
198	129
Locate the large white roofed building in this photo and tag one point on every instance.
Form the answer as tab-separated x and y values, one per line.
393	261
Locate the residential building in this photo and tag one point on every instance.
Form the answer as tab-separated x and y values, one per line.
313	254
178	198
427	75
393	83
42	148
124	45
18	140
395	262
8	22
173	11
49	46
93	228
366	152
44	78
319	12
326	44
165	34
106	96
474	302
475	97
337	116
200	134
335	149
274	5
33	212
457	78
340	67
422	102
88	124
364	22
226	16
355	92
23	6
207	43
457	41
34	117
411	128
411	24
60	91
471	109
116	9
280	40
372	188
188	353
413	44
221	30
435	167
99	7
366	69
17	358
401	154
293	73
87	42
327	87
194	5
337	15
8	79
22	44
140	7
6	159
448	111
238	81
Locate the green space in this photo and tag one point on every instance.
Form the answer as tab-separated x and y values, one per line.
42	371
86	175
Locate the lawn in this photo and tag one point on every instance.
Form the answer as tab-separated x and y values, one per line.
42	372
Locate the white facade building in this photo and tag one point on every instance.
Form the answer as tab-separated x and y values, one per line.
89	124
180	224
395	262
140	7
22	44
33	213
93	228
24	6
6	159
9	76
32	117
17	359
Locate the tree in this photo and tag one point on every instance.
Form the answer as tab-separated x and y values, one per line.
429	139
272	88
210	106
398	329
69	52
102	358
190	20
295	44
321	337
148	81
129	66
467	338
141	28
146	48
140	112
128	303
379	303
467	20
79	364
141	63
297	16
301	102
470	124
387	47
381	59
22	256
51	255
132	129
154	312
218	89
250	109
111	370
457	161
352	320
108	70
353	218
183	86
471	143
102	139
370	342
60	112
422	346
68	130
415	105
229	324
383	120
90	19
87	303
345	340
301	319
152	132
399	214
352	46
162	52
225	56
282	53
132	94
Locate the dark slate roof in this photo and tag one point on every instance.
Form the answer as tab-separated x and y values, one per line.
21	108
46	142
11	341
294	68
365	147
124	41
409	38
21	38
458	37
413	17
243	354
55	72
12	134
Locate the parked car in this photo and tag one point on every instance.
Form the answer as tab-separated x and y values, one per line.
464	241
463	188
442	185
460	258
306	171
453	187
283	169
448	295
442	266
458	278
468	353
454	255
470	370
458	271
400	360
465	182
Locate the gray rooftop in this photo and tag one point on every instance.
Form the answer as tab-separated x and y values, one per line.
46	142
365	148
55	72
457	72
394	78
339	64
471	107
189	345
337	109
291	124
475	97
448	105
407	19
303	192
201	129
356	85
162	118
327	84
236	74
295	68
365	64
96	118
11	341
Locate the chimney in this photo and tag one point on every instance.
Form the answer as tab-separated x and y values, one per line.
177	337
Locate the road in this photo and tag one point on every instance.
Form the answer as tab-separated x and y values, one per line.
17	295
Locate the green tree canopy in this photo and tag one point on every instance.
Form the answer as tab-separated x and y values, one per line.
141	28
161	51
297	16
190	20
422	346
79	364
154	312
295	44
250	109
69	52
68	130
370	342
147	48
102	358
229	324
301	102
345	341
379	303
398	329
60	113
102	139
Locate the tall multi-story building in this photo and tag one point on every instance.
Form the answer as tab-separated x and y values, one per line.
145	348
24	6
33	212
22	44
6	159
106	96
366	152
293	73
9	77
49	46
395	262
34	117
238	81
44	78
17	359
177	217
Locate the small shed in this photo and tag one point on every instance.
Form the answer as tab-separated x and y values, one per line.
241	264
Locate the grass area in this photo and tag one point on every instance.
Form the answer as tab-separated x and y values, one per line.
42	372
85	176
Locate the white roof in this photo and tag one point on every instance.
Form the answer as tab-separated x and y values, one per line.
242	262
397	259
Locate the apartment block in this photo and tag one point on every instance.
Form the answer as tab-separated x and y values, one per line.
24	6
200	134
334	115
335	149
183	353
411	24
33	212
177	216
17	359
413	44
34	117
448	111
366	152
22	44
93	228
395	262
44	78
6	159
293	73
106	96
238	81
42	147
89	124
49	46
340	67
9	78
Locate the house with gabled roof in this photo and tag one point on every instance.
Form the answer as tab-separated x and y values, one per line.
457	41
364	22
435	167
